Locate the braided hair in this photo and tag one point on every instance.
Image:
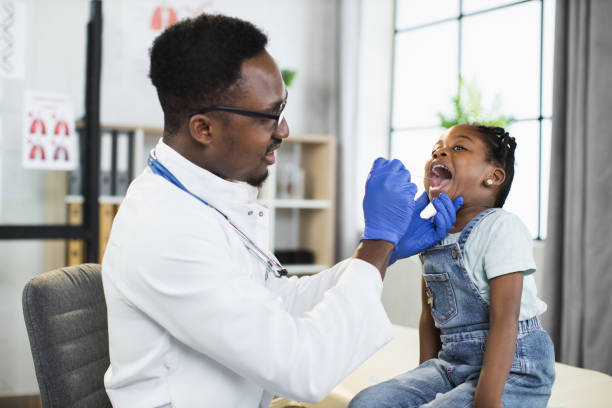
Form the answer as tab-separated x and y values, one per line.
501	147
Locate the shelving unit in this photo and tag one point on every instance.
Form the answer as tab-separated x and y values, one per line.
305	223
122	157
297	222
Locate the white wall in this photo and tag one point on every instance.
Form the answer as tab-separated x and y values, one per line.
55	55
55	49
301	33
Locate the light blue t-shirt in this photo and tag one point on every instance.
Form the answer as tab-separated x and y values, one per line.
498	245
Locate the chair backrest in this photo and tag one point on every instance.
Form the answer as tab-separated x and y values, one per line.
65	315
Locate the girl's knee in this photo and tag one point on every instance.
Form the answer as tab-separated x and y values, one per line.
381	395
368	397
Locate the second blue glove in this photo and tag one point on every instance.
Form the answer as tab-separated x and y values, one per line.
423	233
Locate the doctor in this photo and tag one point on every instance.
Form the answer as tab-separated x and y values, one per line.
199	313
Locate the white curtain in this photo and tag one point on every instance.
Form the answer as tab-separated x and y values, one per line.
349	29
579	244
364	74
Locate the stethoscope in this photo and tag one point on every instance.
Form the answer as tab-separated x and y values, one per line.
271	264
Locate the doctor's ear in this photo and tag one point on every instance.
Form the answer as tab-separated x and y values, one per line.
201	128
495	178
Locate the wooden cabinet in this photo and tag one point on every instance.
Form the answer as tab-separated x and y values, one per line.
303	218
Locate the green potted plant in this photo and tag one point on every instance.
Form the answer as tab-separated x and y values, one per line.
468	108
288	76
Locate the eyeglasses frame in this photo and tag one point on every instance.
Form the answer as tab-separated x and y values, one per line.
248	112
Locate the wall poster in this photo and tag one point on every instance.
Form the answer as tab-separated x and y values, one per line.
49	138
12	39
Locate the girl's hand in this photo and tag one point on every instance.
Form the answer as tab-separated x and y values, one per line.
483	401
505	305
429	334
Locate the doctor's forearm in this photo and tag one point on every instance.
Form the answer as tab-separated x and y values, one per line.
376	252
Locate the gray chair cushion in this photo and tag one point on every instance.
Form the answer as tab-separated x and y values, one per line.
65	315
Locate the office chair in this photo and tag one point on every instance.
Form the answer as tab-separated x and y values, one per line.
65	315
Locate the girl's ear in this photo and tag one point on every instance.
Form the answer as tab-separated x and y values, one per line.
497	177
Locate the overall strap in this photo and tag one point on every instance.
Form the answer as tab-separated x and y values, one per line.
465	234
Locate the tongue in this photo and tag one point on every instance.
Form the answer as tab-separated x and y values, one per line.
434	180
444	182
438	182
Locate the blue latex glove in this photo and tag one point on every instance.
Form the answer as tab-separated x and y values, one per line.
423	233
388	203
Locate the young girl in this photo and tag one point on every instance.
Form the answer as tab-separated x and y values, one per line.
481	343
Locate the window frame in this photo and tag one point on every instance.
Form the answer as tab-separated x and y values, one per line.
459	18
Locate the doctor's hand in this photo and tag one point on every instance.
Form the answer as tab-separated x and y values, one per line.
388	204
423	233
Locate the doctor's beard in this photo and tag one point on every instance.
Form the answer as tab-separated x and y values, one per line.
257	182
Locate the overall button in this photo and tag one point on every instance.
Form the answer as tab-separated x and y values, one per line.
454	254
261	213
250	212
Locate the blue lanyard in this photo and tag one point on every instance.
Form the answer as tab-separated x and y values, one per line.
271	264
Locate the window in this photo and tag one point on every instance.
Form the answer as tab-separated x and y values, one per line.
503	47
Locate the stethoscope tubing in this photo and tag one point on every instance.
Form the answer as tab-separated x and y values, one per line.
158	168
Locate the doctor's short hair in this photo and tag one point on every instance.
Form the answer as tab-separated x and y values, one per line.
195	61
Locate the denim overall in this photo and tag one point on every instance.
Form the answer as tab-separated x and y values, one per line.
462	316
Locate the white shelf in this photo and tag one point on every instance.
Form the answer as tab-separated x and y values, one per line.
295	203
74	199
107	199
304	269
103	199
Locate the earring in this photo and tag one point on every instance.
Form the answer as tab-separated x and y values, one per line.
489	182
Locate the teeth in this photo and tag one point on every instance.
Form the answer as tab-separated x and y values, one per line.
438	166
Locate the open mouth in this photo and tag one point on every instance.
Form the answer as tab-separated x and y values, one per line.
440	176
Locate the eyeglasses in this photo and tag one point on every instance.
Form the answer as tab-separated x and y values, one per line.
277	117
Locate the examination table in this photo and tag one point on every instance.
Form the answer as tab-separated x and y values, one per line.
574	387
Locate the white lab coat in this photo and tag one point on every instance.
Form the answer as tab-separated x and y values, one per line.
194	323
